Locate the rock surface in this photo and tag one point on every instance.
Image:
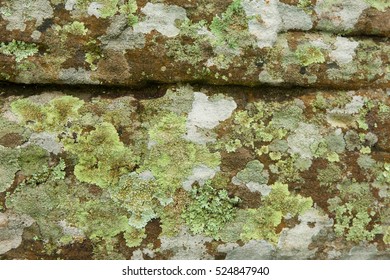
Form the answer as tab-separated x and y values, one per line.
172	129
327	43
267	173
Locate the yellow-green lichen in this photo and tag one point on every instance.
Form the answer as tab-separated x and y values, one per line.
171	158
101	157
308	54
261	223
9	165
19	49
356	212
209	210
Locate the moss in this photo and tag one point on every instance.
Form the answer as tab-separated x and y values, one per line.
308	55
209	210
19	49
261	223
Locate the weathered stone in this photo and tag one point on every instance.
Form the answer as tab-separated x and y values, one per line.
11	230
212	129
244	42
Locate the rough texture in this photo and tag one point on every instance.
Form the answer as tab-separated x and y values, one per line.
170	129
284	174
241	42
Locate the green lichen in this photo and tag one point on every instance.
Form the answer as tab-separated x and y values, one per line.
209	210
75	28
386	237
102	157
8	128
226	27
139	197
93	54
46	199
9	165
108	7
356	212
32	159
329	175
53	116
190	53
171	158
253	172
308	55
261	223
19	49
250	129
129	9
380	5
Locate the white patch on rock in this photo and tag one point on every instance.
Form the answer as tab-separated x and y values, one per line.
293	243
147	175
94	9
137	255
363	252
69	5
294	17
261	188
162	18
21	11
47	141
199	174
76	76
186	246
266	78
352	107
36	35
339	15
304	136
127	40
265	30
253	250
206	114
267	19
11	230
74	232
345	50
